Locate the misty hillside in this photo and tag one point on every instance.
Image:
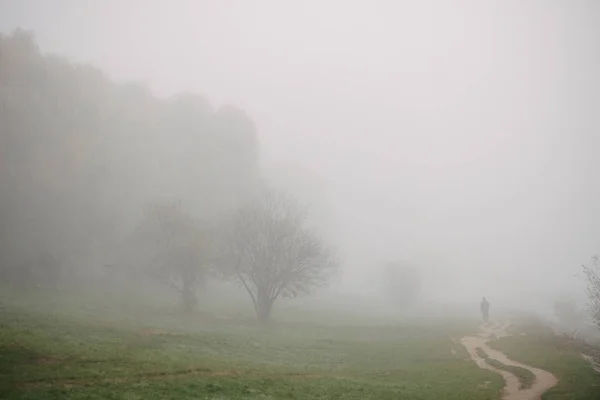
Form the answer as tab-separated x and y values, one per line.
82	155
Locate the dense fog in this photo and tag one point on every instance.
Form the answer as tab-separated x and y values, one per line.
455	140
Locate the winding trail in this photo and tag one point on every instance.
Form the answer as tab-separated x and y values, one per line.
544	380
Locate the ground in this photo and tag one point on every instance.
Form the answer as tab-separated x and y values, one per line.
57	347
576	380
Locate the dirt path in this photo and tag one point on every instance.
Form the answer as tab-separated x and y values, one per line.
544	380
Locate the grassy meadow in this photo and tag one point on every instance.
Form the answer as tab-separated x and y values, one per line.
576	379
93	346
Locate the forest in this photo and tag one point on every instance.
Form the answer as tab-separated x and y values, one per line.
106	179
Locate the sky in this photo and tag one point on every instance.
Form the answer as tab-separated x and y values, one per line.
458	136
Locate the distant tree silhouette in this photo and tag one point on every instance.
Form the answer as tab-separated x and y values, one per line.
174	249
402	284
81	154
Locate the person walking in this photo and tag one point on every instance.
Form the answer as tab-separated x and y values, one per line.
485	309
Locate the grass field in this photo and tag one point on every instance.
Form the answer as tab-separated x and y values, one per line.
576	379
86	347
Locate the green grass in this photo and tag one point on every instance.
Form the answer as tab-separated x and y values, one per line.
52	358
94	346
59	347
576	379
526	377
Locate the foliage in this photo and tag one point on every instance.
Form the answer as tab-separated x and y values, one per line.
273	255
81	154
174	249
592	274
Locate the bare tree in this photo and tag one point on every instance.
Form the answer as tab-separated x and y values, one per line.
592	274
177	251
273	254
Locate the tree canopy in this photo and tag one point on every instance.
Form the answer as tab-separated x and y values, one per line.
80	155
89	169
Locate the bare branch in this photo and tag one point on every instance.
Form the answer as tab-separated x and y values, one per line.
592	274
273	254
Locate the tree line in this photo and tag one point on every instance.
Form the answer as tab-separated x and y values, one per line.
264	245
90	168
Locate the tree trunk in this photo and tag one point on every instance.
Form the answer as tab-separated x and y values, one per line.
263	308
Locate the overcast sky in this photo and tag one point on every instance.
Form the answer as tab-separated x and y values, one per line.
460	135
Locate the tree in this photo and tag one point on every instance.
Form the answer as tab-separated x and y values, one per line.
273	254
402	284
71	140
592	275
178	252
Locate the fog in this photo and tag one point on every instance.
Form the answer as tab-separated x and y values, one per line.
456	137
